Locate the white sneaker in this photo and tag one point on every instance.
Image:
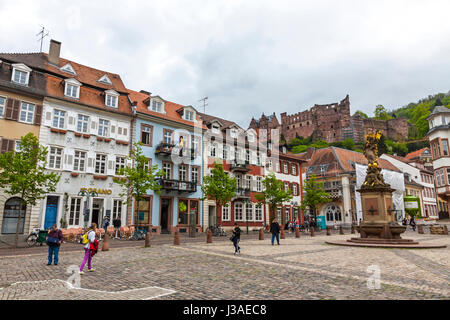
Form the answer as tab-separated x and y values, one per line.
90	270
81	272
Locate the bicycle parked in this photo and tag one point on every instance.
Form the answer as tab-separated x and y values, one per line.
217	231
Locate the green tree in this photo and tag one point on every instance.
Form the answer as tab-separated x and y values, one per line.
381	113
348	144
362	114
273	194
299	149
219	186
139	178
22	172
314	195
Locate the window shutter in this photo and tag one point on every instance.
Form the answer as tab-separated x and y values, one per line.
38	115
119	131
69	159
71	120
16	108
124	131
48	117
90	162
113	129
110	164
93	125
9	109
6	145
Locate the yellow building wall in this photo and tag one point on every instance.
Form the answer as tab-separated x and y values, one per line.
14	130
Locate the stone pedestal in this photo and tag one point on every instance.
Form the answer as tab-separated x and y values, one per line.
378	214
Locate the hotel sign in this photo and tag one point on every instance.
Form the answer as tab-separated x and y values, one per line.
99	191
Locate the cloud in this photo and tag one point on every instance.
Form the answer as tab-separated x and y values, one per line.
250	57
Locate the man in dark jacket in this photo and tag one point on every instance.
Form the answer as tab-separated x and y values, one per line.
236	238
117	224
275	230
54	240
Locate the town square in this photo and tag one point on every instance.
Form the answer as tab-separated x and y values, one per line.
300	268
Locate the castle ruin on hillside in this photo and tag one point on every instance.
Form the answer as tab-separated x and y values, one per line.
332	123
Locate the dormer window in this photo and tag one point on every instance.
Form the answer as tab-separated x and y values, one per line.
233	133
105	79
68	68
72	89
20	74
251	137
189	115
215	128
111	98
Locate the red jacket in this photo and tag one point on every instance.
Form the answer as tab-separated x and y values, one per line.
94	247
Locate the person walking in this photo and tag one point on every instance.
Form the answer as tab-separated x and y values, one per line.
90	240
54	240
117	224
412	223
307	225
275	230
106	224
236	238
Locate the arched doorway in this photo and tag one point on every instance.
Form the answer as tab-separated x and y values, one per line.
333	212
11	214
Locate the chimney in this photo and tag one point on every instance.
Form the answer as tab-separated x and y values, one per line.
53	52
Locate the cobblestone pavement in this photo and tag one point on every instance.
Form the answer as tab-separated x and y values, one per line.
304	268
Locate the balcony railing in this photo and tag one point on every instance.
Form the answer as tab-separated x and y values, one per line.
242	193
177	185
236	166
166	149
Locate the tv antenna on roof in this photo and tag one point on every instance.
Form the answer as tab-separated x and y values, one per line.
43	33
205	103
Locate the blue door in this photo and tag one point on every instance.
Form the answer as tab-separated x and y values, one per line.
50	215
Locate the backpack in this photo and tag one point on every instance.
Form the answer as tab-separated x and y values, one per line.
85	239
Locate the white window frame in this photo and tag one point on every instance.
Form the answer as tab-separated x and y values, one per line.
197	172
259	212
59	117
75	215
117	209
213	150
183	170
167	173
53	156
74	87
110	97
83	121
20	67
121	163
27	112
2	106
258	184
225	152
79	161
215	128
249	217
103	127
241	210
100	163
226	212
189	115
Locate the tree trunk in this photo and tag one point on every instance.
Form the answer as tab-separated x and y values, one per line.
16	240
218	216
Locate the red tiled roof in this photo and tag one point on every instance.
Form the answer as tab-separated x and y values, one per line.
170	108
91	91
343	159
415	154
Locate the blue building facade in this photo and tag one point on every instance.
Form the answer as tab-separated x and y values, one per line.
171	136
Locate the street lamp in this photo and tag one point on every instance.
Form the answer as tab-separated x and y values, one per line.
87	194
246	214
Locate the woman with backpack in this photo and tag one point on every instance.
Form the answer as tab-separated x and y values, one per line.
88	240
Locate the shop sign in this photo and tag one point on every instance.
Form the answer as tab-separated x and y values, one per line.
99	191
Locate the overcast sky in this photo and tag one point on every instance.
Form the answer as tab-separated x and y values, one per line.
250	57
